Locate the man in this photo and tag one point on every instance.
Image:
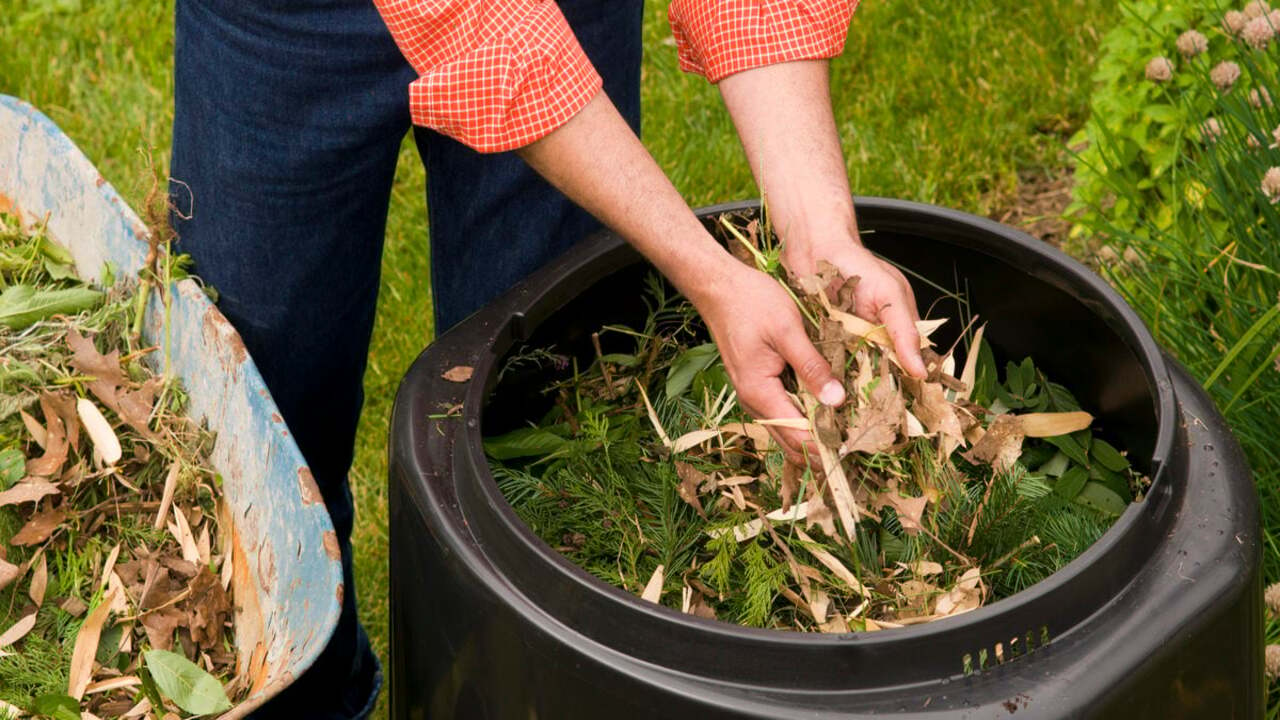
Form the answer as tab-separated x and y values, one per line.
288	120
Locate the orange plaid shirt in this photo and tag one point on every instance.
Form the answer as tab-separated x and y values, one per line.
500	74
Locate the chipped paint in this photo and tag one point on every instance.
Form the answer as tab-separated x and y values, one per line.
284	614
307	487
331	546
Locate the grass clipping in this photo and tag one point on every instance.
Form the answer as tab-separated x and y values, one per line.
115	596
928	499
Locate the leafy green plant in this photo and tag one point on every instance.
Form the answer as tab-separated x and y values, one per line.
1197	253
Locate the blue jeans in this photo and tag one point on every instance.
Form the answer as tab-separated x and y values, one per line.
288	120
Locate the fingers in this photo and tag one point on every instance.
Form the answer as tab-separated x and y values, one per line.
898	320
812	370
767	399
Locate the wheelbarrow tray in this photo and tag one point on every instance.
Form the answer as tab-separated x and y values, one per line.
288	575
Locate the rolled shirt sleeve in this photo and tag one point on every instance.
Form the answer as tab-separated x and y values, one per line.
717	38
494	75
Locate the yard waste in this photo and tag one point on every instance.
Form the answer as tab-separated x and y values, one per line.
926	498
115	573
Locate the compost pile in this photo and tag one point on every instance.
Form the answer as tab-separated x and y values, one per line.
115	595
928	498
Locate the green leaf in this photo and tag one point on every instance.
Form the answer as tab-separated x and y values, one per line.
109	645
1071	483
12	467
55	252
1036	456
984	377
23	305
185	683
1070	447
1100	498
620	359
687	365
525	442
1106	455
1057	465
149	688
55	707
1114	481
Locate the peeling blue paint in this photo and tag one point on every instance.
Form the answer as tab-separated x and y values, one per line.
290	608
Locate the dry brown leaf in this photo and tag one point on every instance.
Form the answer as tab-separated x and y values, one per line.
166	498
109	565
209	609
39	582
117	683
18	630
40	526
73	606
876	425
136	406
966	596
1000	446
27	492
841	492
653	589
458	373
105	443
833	564
693	439
910	510
55	453
691	479
86	648
917	598
37	431
969	375
181	532
818	513
789	423
160	626
791	475
836	624
933	410
8	573
758	434
105	369
1040	425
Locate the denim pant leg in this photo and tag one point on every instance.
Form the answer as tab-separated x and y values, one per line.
288	119
494	220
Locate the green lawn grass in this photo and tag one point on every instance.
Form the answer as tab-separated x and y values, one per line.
936	101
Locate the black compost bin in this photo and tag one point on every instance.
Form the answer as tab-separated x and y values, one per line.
1161	618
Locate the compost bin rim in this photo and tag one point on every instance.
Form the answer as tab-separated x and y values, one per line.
507	321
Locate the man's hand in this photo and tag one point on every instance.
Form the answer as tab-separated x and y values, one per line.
784	118
882	294
760	332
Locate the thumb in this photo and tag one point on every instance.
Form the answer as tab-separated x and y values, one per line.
810	367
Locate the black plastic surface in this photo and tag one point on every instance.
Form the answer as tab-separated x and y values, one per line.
1161	618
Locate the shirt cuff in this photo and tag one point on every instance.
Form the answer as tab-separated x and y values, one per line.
719	38
525	76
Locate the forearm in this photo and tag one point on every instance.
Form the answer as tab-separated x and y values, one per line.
784	119
598	162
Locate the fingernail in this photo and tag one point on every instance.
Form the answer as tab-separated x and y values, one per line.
832	393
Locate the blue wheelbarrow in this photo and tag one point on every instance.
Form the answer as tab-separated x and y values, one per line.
288	575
